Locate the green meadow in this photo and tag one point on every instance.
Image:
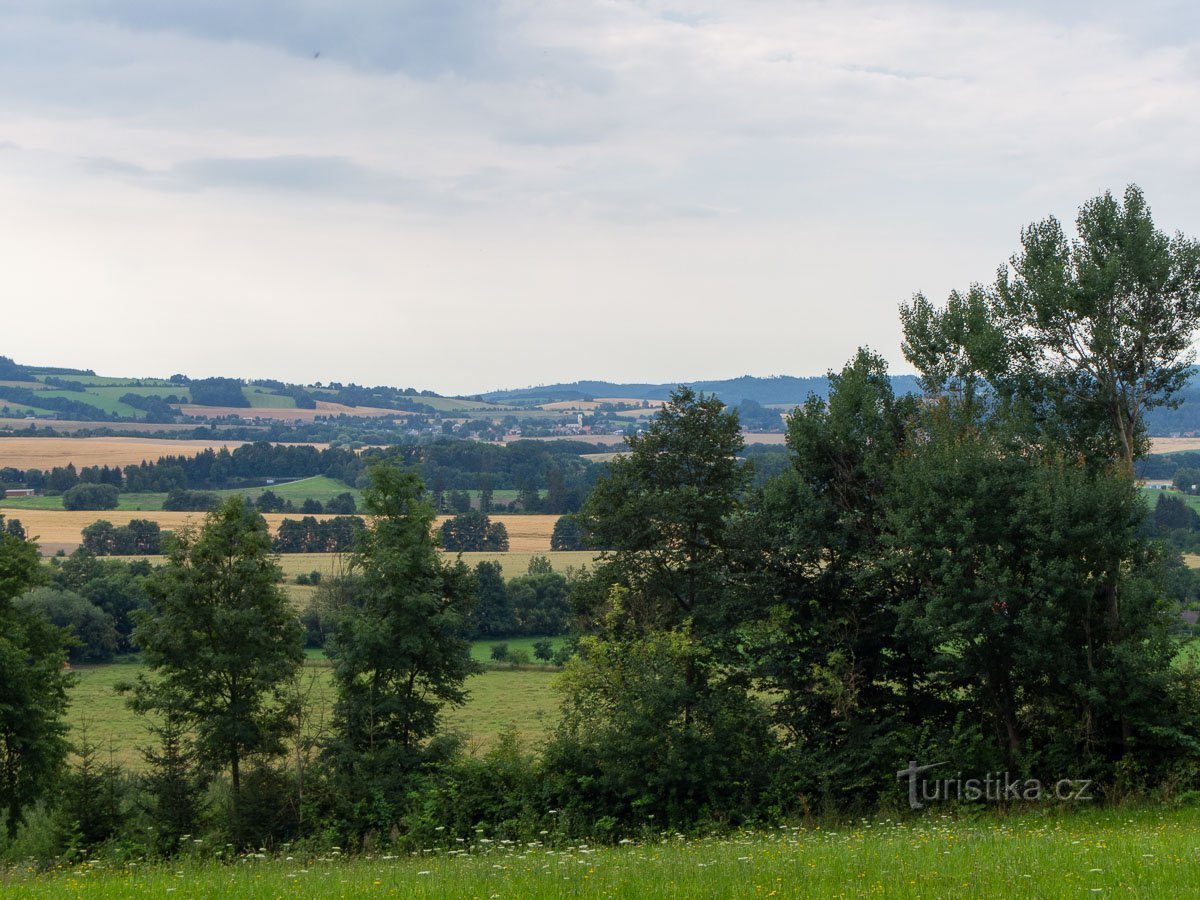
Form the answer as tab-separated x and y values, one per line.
317	487
1043	853
501	699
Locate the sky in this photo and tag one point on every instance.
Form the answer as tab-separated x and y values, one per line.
464	196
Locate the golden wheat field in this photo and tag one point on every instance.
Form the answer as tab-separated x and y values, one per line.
58	529
1173	444
46	453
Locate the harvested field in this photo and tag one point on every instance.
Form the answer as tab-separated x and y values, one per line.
602	457
526	534
764	437
323	409
568	405
653	403
1173	444
608	440
46	453
60	529
61	426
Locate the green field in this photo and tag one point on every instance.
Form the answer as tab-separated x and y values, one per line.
482	650
318	487
262	398
20	409
1152	495
133	384
1128	853
500	699
149	502
108	404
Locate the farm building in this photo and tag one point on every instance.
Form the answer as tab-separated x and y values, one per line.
19	492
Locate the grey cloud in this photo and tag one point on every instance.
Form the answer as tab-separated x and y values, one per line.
106	166
420	38
331	177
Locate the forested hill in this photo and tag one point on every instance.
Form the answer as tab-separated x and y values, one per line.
732	391
788	389
80	394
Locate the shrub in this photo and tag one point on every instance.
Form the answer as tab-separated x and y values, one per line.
91	496
92	628
518	656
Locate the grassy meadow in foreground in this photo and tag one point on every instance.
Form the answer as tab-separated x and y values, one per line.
1050	853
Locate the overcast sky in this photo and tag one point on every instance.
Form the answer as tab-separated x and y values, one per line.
473	195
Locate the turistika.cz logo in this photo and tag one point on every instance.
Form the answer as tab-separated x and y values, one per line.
994	787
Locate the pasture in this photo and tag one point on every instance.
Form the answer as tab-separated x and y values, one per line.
1041	853
317	487
500	699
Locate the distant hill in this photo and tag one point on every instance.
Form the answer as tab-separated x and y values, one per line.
82	395
776	389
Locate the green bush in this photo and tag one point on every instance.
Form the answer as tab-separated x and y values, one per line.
91	496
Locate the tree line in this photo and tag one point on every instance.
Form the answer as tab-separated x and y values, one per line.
549	476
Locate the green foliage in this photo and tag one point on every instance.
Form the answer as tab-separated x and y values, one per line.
33	689
1090	332
95	638
222	644
117	587
1171	513
499	652
91	496
492	612
474	531
539	604
663	509
810	549
140	537
569	534
94	799
312	535
174	782
1040	602
657	718
191	501
398	651
642	742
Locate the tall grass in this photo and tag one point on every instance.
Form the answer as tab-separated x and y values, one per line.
1042	853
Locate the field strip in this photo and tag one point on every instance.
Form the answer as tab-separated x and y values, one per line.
47	453
58	529
1173	444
